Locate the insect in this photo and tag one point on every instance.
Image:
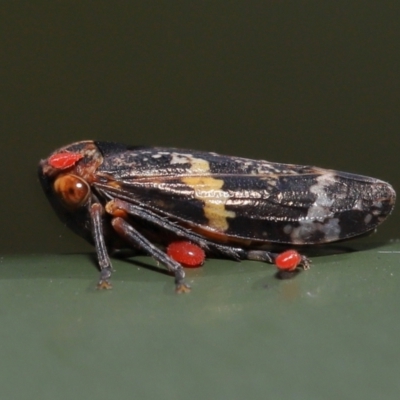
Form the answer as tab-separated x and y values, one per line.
116	196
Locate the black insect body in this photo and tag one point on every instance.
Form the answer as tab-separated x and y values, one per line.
116	197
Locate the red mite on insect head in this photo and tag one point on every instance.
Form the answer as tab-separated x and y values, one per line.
64	160
117	196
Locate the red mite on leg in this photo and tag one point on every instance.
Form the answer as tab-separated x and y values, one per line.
289	260
186	253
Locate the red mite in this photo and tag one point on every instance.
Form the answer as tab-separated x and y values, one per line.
289	260
64	160
186	253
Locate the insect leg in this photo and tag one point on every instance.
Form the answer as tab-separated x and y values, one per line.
113	206
269	257
96	213
131	235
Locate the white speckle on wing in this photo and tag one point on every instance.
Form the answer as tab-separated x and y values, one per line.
321	208
368	219
358	205
306	230
180	158
319	217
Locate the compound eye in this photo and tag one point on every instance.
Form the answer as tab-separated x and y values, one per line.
73	190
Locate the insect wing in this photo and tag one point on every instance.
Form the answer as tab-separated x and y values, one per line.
238	199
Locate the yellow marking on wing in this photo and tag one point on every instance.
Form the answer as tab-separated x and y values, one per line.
208	190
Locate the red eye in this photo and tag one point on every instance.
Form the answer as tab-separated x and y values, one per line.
186	253
288	260
64	160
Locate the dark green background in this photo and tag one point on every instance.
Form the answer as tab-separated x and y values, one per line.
289	81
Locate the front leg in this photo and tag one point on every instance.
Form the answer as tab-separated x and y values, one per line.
96	214
136	239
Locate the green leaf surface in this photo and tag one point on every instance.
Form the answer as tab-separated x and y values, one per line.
331	332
